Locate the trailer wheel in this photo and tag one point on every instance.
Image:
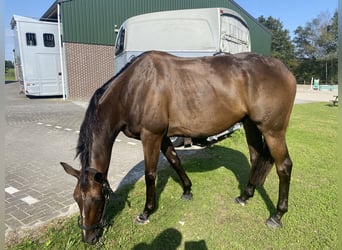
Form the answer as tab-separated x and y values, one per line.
177	141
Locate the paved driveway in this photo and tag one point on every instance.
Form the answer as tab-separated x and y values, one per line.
41	132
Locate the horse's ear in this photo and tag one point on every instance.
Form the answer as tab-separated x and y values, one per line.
70	170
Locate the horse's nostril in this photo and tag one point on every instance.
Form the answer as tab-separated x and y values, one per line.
92	239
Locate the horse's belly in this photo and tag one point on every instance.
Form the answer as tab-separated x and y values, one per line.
201	127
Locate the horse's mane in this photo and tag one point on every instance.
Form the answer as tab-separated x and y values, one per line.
89	123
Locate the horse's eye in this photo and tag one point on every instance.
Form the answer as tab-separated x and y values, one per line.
97	198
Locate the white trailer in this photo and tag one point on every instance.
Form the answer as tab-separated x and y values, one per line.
187	33
37	56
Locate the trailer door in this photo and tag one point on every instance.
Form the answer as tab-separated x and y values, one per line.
234	34
50	79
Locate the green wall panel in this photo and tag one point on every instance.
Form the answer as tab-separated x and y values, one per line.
93	21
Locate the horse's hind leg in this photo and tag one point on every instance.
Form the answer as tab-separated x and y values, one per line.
279	152
261	160
262	155
171	155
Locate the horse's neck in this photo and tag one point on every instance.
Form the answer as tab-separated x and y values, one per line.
108	122
101	150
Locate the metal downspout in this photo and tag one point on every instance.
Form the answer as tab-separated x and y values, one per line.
61	49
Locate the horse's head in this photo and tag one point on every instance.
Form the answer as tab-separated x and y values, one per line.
91	194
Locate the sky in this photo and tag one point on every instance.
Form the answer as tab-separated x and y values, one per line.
292	13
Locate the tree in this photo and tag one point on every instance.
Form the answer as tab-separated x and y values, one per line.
8	65
328	37
318	38
304	48
282	47
316	48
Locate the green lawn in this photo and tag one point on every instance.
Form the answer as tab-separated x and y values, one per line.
212	220
10	75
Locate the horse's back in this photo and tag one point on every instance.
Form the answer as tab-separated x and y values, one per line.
203	96
212	93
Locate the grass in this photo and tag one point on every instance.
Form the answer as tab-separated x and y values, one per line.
212	220
10	75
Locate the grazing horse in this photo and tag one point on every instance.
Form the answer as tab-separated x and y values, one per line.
159	95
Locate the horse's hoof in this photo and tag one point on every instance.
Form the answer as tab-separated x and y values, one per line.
141	220
240	201
187	196
273	223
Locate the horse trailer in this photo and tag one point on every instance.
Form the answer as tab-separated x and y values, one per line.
37	56
186	33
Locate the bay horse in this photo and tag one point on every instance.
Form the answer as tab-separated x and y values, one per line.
159	95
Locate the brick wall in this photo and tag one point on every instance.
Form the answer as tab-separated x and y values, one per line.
88	68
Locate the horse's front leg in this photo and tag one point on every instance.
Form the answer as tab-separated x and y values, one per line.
151	146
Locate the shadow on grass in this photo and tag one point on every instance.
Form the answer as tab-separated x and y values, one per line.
208	159
171	239
216	157
332	105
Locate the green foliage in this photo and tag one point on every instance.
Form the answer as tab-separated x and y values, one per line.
212	220
8	65
316	49
316	68
10	75
9	71
329	34
313	50
282	47
318	39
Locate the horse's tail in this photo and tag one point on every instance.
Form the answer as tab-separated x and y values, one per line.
263	166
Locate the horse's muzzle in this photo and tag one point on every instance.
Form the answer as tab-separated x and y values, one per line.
91	237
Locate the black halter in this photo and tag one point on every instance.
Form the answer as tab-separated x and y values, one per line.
106	189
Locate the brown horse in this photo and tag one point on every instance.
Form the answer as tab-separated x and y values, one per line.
159	95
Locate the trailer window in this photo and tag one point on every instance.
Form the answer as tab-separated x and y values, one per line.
49	40
31	39
120	43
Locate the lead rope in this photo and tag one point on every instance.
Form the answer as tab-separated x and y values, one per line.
101	243
105	224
